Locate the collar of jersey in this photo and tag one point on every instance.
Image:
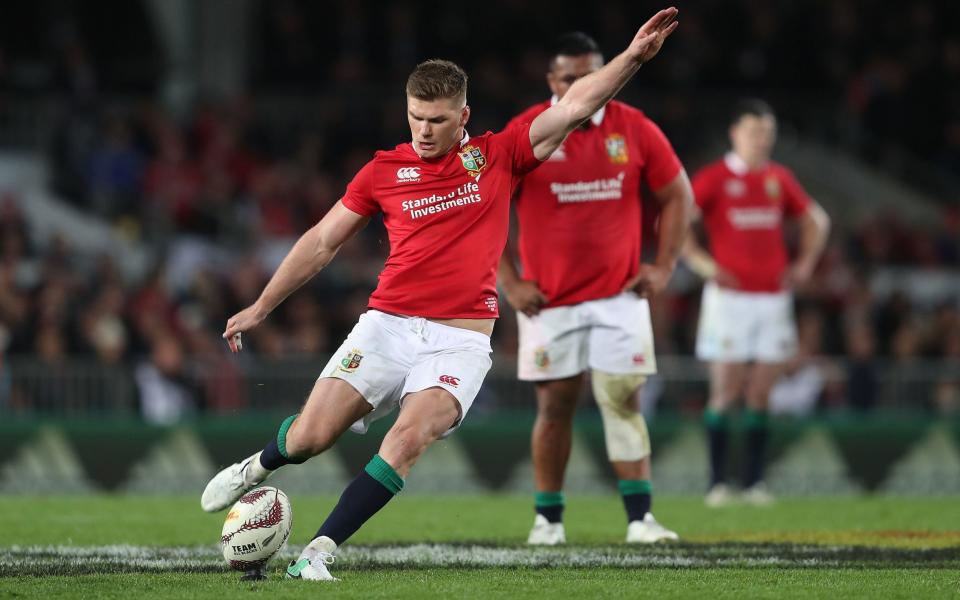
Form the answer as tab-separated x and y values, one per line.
463	140
736	164
596	118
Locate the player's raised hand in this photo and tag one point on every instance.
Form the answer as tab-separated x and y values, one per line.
650	280
650	37
245	320
524	296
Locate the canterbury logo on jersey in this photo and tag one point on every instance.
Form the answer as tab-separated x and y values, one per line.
449	380
408	174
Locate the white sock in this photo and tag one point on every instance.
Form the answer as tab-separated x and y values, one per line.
322	544
256	472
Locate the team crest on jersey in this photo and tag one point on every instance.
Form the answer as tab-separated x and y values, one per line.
616	148
541	358
350	362
473	160
772	186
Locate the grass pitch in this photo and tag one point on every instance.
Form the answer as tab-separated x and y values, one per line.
164	547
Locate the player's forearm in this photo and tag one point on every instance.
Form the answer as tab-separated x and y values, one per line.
507	273
698	259
674	220
590	93
307	257
814	229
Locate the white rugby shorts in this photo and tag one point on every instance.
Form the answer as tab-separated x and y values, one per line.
613	335
740	326
385	357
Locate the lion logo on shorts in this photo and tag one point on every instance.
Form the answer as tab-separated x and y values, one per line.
351	361
541	358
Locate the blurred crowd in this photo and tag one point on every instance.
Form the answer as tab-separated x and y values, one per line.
219	194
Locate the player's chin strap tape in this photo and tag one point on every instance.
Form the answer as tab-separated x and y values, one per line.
282	439
624	427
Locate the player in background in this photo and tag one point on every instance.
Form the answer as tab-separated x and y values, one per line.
424	342
581	299
747	330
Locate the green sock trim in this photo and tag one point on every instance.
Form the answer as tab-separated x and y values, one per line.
714	419
756	419
282	435
548	499
634	486
380	470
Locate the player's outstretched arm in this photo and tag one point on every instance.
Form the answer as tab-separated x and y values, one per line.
312	252
588	94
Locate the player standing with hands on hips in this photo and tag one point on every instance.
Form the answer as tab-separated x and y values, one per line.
581	299
424	342
747	330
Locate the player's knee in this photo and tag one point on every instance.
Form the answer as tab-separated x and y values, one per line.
556	405
625	429
305	440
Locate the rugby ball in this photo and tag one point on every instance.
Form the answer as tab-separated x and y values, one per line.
256	528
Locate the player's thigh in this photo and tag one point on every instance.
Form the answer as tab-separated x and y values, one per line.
763	376
727	380
374	360
458	362
726	329
776	339
621	336
557	398
553	344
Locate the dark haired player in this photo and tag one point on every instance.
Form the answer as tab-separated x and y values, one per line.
747	330
581	300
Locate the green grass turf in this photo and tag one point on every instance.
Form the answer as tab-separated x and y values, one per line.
510	583
500	519
821	547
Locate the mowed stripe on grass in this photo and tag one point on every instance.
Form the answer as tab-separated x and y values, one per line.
84	560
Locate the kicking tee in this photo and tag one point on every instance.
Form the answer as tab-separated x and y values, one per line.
447	220
743	214
580	213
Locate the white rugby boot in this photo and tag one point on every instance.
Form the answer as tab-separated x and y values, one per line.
545	533
228	485
758	495
648	531
719	495
313	561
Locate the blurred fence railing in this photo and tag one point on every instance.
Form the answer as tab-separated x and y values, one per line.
220	385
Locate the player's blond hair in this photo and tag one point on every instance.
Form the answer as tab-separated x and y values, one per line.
436	78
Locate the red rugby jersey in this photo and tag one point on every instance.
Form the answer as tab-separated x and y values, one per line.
447	220
743	213
579	214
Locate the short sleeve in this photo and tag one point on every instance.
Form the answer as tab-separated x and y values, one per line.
661	164
795	198
703	189
515	139
359	195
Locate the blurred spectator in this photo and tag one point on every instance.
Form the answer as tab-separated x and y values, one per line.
166	392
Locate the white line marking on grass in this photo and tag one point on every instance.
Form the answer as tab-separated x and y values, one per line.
71	560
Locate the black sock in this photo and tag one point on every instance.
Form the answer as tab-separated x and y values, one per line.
757	435
550	505
637	497
718	434
274	455
367	493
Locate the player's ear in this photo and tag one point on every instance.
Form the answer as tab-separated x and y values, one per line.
464	115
